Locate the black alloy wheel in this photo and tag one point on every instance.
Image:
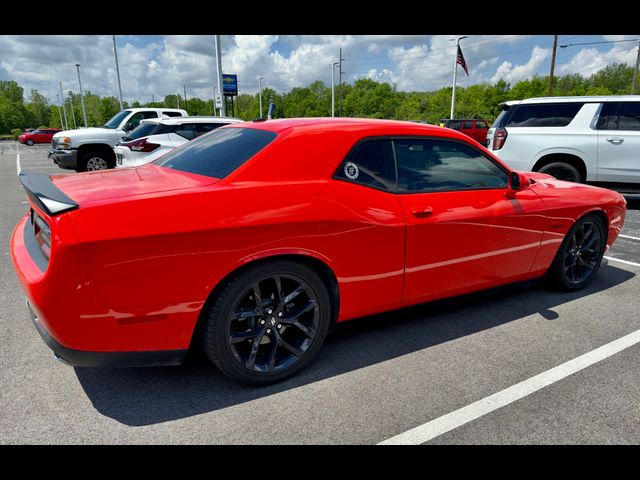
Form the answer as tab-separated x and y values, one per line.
580	254
562	171
268	323
583	255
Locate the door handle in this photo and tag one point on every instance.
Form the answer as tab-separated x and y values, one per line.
421	212
615	140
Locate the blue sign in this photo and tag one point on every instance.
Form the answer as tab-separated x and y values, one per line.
229	85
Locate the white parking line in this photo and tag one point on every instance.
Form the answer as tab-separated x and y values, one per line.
622	261
629	237
459	417
18	167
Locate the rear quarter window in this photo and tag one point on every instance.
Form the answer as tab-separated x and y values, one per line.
219	153
544	115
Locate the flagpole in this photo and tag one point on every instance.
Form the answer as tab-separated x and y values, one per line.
455	75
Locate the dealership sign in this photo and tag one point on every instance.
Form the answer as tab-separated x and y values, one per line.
229	85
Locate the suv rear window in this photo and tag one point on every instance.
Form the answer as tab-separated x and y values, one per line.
544	115
219	153
143	130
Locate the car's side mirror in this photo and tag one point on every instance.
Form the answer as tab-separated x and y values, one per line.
128	127
518	181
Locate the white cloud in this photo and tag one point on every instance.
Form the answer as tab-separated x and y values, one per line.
588	61
507	72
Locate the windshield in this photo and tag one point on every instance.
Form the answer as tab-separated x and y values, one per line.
218	153
116	119
143	130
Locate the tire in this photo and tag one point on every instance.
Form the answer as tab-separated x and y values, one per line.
562	171
287	338
95	160
29	142
579	255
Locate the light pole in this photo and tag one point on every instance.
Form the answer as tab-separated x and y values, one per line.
59	110
333	88
223	108
115	53
84	111
455	75
64	110
260	94
73	115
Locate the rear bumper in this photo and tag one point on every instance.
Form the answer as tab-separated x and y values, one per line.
65	158
79	358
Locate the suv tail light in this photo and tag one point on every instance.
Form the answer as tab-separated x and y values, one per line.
142	145
499	137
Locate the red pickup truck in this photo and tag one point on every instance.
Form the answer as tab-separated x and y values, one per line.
475	128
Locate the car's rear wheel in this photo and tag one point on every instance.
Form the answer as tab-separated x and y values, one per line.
29	142
580	254
562	171
267	322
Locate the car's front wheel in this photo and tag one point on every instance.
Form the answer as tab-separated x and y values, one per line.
29	142
580	254
267	322
94	160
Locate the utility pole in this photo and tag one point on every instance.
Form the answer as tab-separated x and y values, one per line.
186	104
84	111
260	94
115	53
553	64
213	89
634	83
64	109
153	100
223	109
340	59
73	115
178	99
455	75
59	111
333	88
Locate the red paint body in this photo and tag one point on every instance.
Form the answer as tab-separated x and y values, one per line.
38	136
132	267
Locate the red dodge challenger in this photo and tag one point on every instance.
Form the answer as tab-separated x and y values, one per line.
253	239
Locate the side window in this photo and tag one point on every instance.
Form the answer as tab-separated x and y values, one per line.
629	116
480	124
440	165
467	124
186	130
202	128
172	114
135	120
544	115
454	124
370	164
608	119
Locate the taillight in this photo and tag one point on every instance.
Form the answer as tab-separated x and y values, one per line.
142	145
499	137
42	234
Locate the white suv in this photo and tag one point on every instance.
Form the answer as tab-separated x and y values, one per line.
155	137
580	139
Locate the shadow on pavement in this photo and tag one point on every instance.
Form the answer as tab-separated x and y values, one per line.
147	396
633	202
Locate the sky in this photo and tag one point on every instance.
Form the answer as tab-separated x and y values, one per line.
159	65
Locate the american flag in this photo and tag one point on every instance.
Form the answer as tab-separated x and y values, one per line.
460	61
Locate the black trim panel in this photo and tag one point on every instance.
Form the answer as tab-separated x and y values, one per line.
33	248
80	358
40	188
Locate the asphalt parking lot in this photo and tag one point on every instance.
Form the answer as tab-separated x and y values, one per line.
376	378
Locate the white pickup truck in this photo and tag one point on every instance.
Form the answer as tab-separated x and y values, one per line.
87	149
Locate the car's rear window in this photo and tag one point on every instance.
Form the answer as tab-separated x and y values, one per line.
544	115
498	121
143	130
218	153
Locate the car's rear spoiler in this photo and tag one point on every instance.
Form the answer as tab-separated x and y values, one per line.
45	194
